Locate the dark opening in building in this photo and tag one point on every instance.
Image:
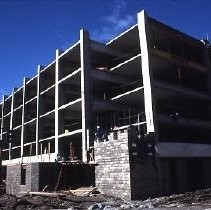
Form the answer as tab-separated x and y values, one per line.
195	174
173	176
23	174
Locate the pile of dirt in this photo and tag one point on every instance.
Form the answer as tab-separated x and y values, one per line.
53	200
200	199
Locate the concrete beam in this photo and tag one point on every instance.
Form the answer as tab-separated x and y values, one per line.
184	121
73	115
178	60
139	89
102	48
74	103
121	35
181	90
105	105
33	159
177	150
108	76
74	73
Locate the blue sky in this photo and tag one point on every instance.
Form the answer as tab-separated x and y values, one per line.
31	30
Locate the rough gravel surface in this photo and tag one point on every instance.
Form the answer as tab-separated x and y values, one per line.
197	200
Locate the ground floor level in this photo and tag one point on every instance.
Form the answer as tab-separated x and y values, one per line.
45	176
115	175
127	168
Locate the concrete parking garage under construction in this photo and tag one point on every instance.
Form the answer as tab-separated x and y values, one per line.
132	116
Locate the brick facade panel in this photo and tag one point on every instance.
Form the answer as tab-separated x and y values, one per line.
113	170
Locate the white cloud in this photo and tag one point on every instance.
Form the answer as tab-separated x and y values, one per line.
114	23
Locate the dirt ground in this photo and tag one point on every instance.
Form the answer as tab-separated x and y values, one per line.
200	199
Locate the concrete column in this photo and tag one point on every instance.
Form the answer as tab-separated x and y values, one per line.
23	116
85	92
1	132
57	103
11	120
58	119
143	38
39	104
60	102
2	121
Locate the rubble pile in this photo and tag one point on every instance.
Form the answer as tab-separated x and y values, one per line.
91	199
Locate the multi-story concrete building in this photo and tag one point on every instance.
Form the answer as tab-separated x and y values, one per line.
147	90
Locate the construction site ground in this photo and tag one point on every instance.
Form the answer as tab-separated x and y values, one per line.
200	199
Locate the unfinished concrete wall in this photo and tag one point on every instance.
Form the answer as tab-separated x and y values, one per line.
113	170
207	172
178	175
144	179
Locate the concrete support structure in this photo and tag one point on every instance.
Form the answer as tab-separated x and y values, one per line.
85	91
144	97
57	77
23	116
11	120
39	104
145	65
2	119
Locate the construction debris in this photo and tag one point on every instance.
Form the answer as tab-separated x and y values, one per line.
199	200
47	194
85	191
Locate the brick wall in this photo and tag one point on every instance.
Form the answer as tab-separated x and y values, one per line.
32	176
112	175
14	186
13	179
143	167
46	174
38	175
122	169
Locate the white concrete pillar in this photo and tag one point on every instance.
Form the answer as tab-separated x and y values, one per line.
85	91
38	127
23	116
143	38
11	120
1	131
2	116
56	103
